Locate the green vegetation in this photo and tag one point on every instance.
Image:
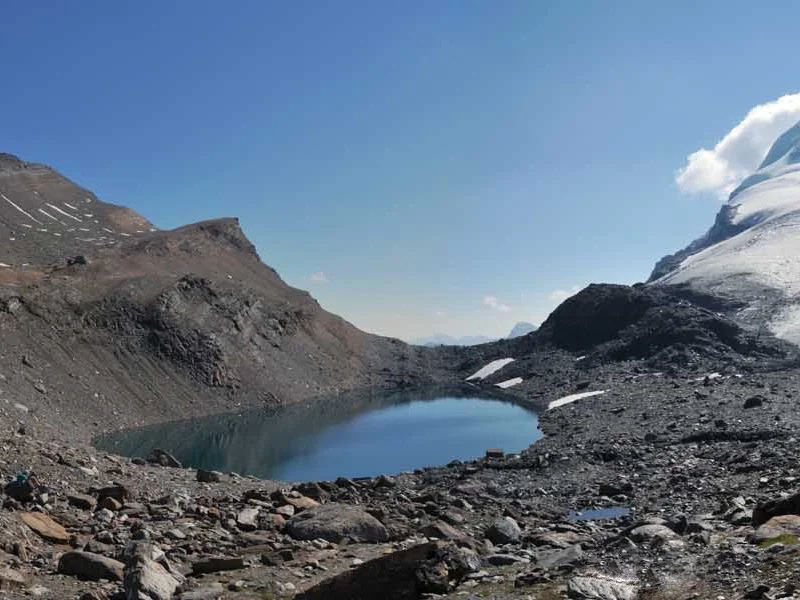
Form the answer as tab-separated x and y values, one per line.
787	539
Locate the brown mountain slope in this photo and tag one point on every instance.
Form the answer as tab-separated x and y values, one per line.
160	325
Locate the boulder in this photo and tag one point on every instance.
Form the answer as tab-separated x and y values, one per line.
214	564
90	566
652	533
247	519
82	501
11	579
164	458
442	531
568	557
403	575
204	476
46	527
776	527
600	587
334	522
790	505
504	531
145	579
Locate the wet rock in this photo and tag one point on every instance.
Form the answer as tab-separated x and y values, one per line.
90	566
217	563
600	587
204	476
504	531
46	527
334	522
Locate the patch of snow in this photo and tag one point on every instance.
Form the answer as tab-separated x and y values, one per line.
26	225
23	211
509	383
713	375
573	397
108	230
492	367
4	265
580	358
68	205
66	214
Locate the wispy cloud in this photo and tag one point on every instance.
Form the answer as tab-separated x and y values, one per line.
495	304
318	277
719	170
440	314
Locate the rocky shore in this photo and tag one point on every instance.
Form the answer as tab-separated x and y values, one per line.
705	462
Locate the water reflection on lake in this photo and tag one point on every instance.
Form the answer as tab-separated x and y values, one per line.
349	435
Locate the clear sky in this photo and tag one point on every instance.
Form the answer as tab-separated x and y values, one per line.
449	166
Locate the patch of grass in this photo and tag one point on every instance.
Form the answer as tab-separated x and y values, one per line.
787	539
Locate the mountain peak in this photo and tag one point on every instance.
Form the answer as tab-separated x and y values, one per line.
752	251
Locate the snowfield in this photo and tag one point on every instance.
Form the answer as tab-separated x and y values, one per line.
761	262
573	397
490	368
509	383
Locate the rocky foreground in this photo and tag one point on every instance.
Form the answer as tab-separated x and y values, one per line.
706	462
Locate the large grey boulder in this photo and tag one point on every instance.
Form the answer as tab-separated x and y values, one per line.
90	566
146	579
652	533
334	522
504	531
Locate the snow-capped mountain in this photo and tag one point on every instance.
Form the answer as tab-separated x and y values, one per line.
752	252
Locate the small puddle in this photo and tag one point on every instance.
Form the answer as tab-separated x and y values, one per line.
600	514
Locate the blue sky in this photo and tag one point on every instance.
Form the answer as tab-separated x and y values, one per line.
453	166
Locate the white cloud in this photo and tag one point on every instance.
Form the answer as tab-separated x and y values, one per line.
318	277
440	314
493	303
559	296
740	151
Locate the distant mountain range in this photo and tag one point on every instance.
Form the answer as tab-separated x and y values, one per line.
441	339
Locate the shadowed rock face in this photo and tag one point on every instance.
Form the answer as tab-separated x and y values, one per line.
618	322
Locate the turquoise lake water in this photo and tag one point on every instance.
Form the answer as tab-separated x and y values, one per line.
352	436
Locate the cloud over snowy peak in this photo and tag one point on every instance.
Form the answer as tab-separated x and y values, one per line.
719	170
